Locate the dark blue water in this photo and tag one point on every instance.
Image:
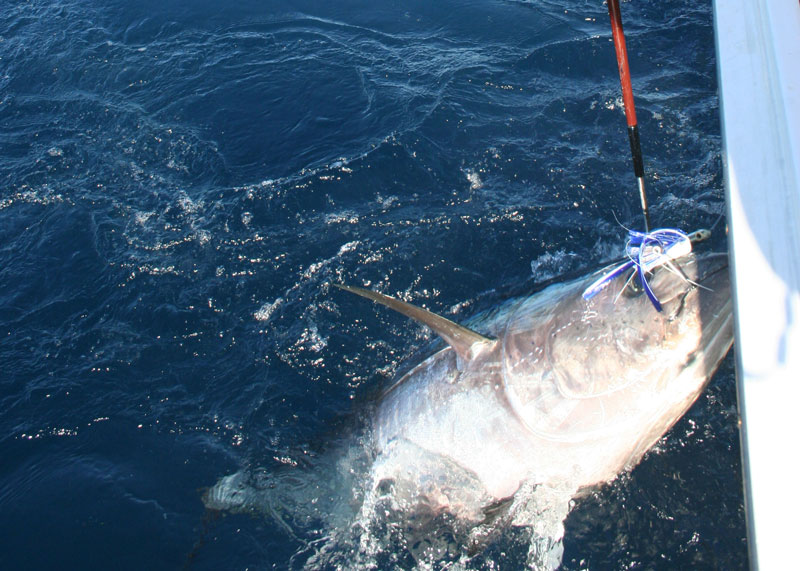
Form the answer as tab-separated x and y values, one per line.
180	182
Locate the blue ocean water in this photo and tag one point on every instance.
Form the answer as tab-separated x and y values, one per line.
181	182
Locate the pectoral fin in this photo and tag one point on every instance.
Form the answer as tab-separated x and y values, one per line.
466	342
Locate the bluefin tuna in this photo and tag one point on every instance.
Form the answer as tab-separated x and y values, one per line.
535	400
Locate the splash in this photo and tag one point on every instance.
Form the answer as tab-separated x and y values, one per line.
348	509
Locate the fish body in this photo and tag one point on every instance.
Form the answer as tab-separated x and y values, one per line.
539	398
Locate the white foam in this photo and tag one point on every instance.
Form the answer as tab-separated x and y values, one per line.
265	311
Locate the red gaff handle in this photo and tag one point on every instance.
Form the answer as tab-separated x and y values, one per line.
622	61
627	99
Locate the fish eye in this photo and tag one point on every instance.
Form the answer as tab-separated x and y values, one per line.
632	287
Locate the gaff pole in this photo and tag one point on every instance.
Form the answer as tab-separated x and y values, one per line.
627	99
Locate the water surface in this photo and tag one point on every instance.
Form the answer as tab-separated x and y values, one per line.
179	183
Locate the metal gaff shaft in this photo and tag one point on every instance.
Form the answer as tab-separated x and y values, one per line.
627	99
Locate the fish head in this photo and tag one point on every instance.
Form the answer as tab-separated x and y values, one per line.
693	327
614	366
